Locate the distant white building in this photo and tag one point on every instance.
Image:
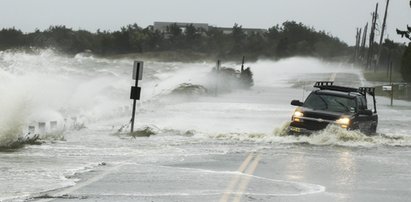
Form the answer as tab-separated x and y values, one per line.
247	31
162	27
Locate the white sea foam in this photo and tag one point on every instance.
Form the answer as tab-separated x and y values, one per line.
45	86
12	119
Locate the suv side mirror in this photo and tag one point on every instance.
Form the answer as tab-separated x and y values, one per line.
297	103
366	112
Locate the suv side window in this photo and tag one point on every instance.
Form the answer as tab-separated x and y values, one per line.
362	104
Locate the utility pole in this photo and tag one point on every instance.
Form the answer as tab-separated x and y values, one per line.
135	90
357	44
372	35
364	41
382	30
384	22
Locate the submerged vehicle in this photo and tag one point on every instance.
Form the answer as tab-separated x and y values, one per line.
331	104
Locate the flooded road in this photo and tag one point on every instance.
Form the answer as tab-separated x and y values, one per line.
201	147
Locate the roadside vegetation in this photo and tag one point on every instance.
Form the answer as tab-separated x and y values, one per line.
383	76
286	40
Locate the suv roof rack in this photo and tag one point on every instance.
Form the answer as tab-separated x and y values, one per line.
329	85
369	90
323	83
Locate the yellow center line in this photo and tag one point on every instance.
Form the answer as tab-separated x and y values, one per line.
236	178
244	183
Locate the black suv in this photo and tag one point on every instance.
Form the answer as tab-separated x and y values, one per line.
330	104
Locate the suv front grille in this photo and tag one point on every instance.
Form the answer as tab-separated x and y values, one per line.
311	124
318	115
314	125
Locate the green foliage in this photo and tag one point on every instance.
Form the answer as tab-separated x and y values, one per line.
238	40
406	64
289	39
11	38
391	52
216	42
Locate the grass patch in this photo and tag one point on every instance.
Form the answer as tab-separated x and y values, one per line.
144	132
382	76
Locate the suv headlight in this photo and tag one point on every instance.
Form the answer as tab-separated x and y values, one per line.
344	122
297	116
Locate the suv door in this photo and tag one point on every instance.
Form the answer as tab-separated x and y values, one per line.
365	121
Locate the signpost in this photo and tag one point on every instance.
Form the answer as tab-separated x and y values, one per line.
217	77
135	90
242	65
392	88
387	88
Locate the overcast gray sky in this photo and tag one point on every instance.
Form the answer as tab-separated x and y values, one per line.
337	17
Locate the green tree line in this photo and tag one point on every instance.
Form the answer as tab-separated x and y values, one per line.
288	39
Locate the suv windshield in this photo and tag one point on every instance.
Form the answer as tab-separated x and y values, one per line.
330	103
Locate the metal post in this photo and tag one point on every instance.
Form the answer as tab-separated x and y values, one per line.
133	115
135	90
242	65
217	77
392	86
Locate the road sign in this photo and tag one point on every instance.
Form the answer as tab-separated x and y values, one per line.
138	70
135	90
135	93
386	88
